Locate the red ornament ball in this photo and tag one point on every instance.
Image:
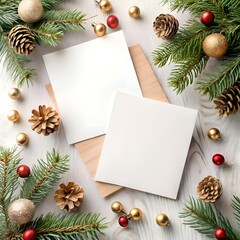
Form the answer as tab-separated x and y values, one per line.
220	234
123	221
112	21
30	234
23	171
218	159
207	18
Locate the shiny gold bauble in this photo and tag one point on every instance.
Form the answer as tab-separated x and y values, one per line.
117	207
21	211
162	220
100	29
215	45
214	134
30	11
104	5
134	12
13	116
22	138
136	214
14	93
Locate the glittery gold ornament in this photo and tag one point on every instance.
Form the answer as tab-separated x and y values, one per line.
117	207
30	11
13	116
21	211
14	93
22	138
104	5
215	45
162	220
136	214
134	12
214	134
99	28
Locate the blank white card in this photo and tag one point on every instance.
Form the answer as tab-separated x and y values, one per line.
146	143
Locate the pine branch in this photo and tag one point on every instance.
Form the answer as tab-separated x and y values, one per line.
66	19
236	207
205	218
49	4
44	176
8	15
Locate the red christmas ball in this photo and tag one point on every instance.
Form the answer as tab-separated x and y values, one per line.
220	234
123	221
218	159
112	21
30	234
207	18
23	171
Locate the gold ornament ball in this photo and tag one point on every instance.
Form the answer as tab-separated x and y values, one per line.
136	214
14	93
22	138
104	5
162	220
13	116
215	45
214	134
30	11
21	211
134	12
100	29
117	207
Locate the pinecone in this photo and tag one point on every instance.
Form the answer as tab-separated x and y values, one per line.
45	121
69	197
228	102
21	39
209	189
165	26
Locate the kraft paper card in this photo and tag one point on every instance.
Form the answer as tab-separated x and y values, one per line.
146	141
85	79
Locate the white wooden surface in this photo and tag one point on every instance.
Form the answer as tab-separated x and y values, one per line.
198	163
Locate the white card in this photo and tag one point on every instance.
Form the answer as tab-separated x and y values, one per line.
85	79
146	145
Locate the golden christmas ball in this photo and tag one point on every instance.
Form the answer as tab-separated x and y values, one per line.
14	93
215	45
214	134
21	211
22	139
162	220
99	28
30	11
117	207
13	116
104	5
136	214
134	12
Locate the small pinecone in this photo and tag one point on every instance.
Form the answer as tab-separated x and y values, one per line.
21	39
45	120
69	197
228	102
165	26
209	189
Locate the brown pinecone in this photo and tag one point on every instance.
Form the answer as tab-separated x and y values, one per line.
228	102
69	197
45	120
21	39
165	26
209	189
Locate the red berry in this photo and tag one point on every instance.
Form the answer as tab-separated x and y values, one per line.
207	18
123	221
23	171
218	159
220	234
30	234
112	21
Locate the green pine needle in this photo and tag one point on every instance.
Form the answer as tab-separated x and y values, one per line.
49	4
44	176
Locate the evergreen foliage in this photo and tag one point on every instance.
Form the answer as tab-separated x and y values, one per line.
185	48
